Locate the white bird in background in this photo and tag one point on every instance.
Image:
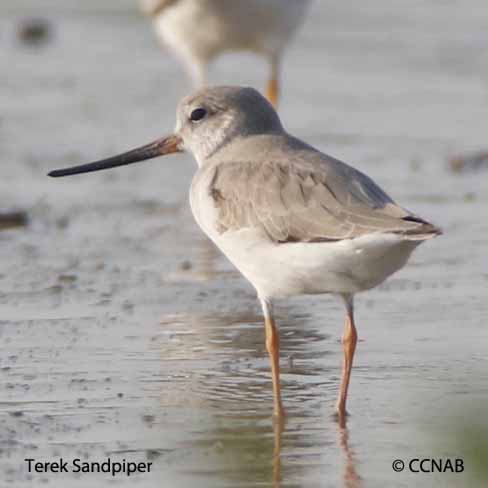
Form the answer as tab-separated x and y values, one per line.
200	30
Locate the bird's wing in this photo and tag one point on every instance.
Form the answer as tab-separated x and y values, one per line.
308	203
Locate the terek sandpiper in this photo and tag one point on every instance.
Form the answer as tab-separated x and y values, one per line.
292	219
199	30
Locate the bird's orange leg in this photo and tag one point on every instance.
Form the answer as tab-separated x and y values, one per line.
349	340
272	91
278	427
273	348
272	86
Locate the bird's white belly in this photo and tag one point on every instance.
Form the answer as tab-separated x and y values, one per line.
348	266
280	270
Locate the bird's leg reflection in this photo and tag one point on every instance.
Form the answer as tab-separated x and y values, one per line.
278	426
351	477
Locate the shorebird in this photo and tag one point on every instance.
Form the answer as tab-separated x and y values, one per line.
200	30
291	219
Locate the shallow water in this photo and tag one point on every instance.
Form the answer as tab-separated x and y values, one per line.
125	334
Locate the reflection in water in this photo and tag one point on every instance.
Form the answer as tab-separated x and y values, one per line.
218	368
351	478
256	451
223	361
278	426
237	450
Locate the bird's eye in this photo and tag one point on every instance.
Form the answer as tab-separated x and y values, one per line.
198	114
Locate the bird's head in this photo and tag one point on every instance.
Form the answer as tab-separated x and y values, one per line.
211	118
206	122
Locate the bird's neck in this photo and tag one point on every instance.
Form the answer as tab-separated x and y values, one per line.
243	148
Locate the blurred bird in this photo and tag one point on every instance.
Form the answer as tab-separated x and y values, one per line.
292	219
199	30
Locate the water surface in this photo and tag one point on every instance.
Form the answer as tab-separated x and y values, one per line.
125	334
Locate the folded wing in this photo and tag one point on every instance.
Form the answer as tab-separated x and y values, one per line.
302	202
